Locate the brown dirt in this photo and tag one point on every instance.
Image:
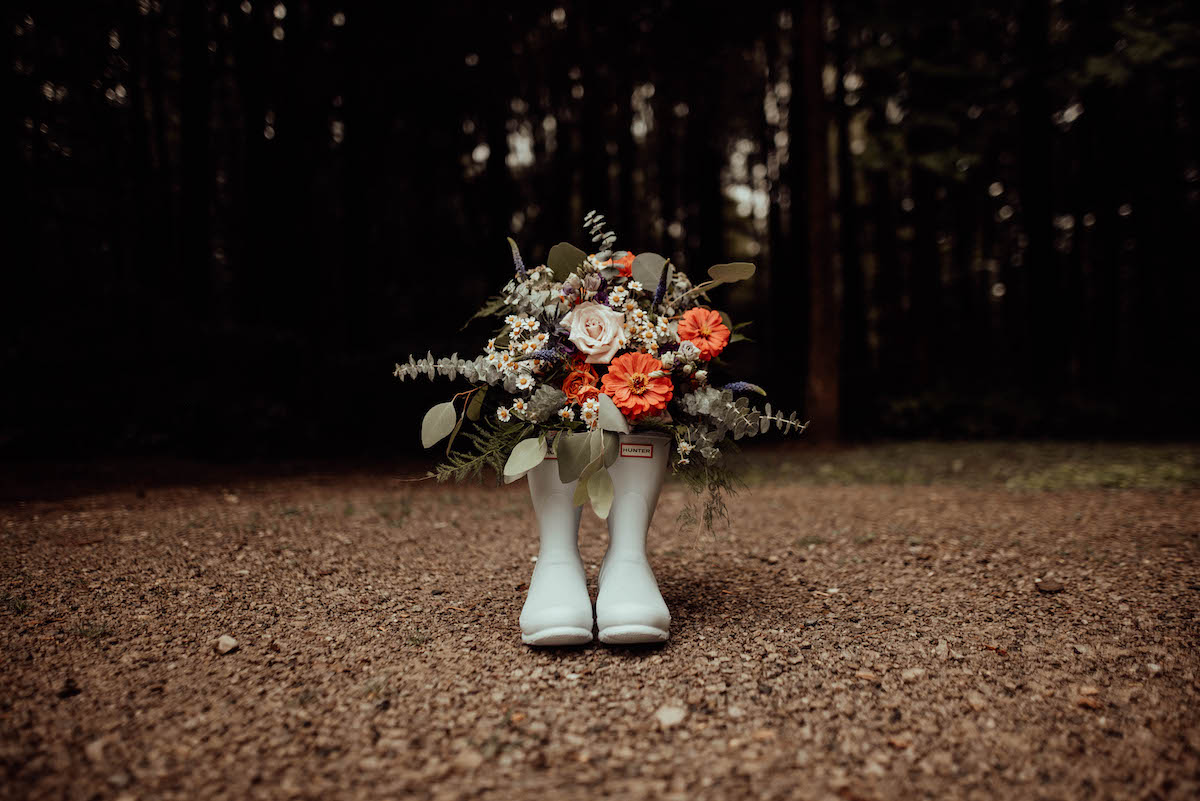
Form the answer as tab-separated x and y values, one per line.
860	642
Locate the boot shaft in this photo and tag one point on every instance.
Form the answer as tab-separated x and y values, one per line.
557	514
637	475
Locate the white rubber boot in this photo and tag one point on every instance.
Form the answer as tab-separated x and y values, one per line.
558	610
629	607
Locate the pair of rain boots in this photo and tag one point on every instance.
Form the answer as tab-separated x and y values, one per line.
629	607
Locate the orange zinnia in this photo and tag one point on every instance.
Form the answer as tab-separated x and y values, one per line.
704	329
629	383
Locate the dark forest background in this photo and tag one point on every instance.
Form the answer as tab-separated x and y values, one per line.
230	219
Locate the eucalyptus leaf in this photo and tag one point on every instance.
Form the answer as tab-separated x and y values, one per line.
564	259
611	418
590	470
573	455
600	492
731	273
581	493
647	268
438	423
527	455
725	318
612	448
453	434
475	405
595	444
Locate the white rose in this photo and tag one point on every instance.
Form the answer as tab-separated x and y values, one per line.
598	331
687	351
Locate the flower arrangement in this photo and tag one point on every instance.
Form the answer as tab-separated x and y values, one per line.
591	346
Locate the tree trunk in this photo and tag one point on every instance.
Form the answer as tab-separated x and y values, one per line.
822	394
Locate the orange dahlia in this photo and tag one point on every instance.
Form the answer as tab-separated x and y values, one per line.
624	265
632	387
704	329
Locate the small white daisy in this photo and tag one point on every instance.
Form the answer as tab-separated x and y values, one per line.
567	413
524	382
519	406
634	286
503	415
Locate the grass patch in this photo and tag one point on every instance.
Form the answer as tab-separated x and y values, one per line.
1082	475
90	630
1015	465
394	511
15	605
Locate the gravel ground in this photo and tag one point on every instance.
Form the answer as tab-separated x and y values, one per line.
842	642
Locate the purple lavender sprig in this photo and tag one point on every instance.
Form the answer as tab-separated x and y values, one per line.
743	386
518	262
661	292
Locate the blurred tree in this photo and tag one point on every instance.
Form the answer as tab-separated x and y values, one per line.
970	218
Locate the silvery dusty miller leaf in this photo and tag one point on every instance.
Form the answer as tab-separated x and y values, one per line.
438	423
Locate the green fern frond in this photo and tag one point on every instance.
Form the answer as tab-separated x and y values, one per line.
490	443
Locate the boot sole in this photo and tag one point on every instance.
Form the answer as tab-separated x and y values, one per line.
631	634
558	635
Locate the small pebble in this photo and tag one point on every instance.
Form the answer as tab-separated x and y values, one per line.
669	715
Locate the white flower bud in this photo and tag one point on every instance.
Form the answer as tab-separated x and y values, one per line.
701	375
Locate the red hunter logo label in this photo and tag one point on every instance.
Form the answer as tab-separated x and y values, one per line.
637	450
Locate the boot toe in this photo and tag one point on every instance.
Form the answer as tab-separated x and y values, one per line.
631	622
556	625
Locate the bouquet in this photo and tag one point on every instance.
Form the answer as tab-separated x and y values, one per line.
588	347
